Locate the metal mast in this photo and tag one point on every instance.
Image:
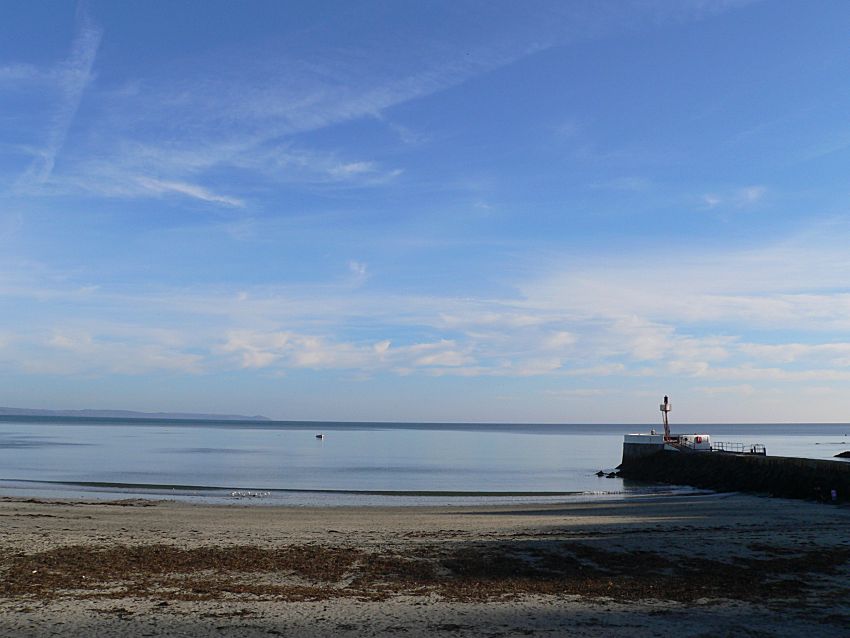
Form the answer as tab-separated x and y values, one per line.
665	410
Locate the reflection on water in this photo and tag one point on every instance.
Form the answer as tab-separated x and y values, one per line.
353	464
13	441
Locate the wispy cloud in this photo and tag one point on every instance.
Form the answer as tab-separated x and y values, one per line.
259	349
359	271
744	197
190	166
73	77
189	190
743	390
13	74
73	352
217	111
750	195
289	164
687	315
833	354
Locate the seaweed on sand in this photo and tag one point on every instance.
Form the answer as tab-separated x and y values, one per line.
459	571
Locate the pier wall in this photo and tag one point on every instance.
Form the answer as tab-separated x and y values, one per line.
775	475
634	450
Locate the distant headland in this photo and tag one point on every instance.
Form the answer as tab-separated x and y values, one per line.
128	414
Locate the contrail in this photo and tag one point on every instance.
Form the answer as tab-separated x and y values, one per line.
74	75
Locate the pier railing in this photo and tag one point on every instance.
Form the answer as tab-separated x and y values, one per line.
726	446
738	448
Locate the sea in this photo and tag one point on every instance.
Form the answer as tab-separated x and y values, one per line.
353	464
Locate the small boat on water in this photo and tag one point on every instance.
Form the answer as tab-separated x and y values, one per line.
320	436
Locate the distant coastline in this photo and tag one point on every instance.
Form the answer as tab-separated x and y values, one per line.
128	414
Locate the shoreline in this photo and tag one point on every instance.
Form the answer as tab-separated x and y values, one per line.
616	568
296	497
212	488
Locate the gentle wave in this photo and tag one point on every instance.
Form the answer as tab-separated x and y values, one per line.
217	488
213	495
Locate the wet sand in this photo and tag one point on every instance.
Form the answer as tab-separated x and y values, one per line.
718	564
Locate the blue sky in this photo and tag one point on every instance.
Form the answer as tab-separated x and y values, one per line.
444	211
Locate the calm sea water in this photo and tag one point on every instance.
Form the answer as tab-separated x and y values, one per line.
362	463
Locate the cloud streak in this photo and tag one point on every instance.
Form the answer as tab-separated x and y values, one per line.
189	190
73	77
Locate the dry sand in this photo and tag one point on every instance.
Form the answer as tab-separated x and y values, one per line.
711	565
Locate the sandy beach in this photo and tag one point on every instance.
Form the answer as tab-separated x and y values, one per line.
715	564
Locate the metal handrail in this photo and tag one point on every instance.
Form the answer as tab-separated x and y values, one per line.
738	448
727	446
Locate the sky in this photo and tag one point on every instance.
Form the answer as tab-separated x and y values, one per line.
459	210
